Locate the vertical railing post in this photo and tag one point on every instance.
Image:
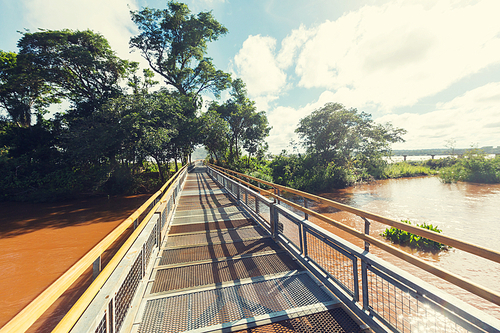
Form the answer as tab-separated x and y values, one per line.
306	216
158	228
238	186
355	279
364	268
364	283
273	217
304	239
367	232
111	316
96	268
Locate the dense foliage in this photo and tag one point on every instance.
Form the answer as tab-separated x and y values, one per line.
174	42
246	128
402	237
343	146
116	135
472	167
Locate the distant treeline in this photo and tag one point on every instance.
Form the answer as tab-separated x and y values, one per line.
444	151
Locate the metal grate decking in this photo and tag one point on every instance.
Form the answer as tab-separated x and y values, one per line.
219	270
332	321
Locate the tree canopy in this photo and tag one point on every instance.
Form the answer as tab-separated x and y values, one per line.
23	89
174	42
117	131
247	127
343	146
336	134
80	63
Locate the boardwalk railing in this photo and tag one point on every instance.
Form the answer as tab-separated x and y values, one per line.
117	283
388	298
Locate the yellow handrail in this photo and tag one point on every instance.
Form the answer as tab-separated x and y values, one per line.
458	244
27	316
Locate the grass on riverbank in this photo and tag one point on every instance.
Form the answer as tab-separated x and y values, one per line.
473	167
405	169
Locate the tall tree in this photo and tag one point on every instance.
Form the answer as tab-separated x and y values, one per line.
247	126
215	134
174	42
342	136
148	123
80	63
23	90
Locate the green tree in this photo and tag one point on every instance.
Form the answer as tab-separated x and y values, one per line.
148	122
23	90
215	134
80	63
174	42
345	137
248	128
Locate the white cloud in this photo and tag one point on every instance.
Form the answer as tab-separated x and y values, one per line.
291	45
111	18
472	118
257	66
397	53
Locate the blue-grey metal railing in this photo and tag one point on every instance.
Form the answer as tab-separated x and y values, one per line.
385	297
114	306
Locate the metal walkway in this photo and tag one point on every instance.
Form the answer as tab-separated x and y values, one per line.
218	270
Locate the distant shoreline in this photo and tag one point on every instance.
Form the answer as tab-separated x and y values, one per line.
443	151
399	158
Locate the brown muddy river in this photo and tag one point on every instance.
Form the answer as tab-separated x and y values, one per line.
469	212
39	242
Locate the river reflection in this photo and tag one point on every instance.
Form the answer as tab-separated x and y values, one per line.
469	212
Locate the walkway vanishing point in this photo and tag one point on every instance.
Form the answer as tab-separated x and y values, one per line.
218	269
213	254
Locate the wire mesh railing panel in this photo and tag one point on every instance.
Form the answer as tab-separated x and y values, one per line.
101	328
290	229
251	201
127	290
264	211
163	217
339	266
404	309
149	245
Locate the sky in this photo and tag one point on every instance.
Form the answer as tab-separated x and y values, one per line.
430	67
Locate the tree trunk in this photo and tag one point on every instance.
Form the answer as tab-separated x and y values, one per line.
158	164
175	162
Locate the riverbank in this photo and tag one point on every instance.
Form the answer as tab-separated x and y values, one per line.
40	241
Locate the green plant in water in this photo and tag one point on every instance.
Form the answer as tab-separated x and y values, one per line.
398	236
